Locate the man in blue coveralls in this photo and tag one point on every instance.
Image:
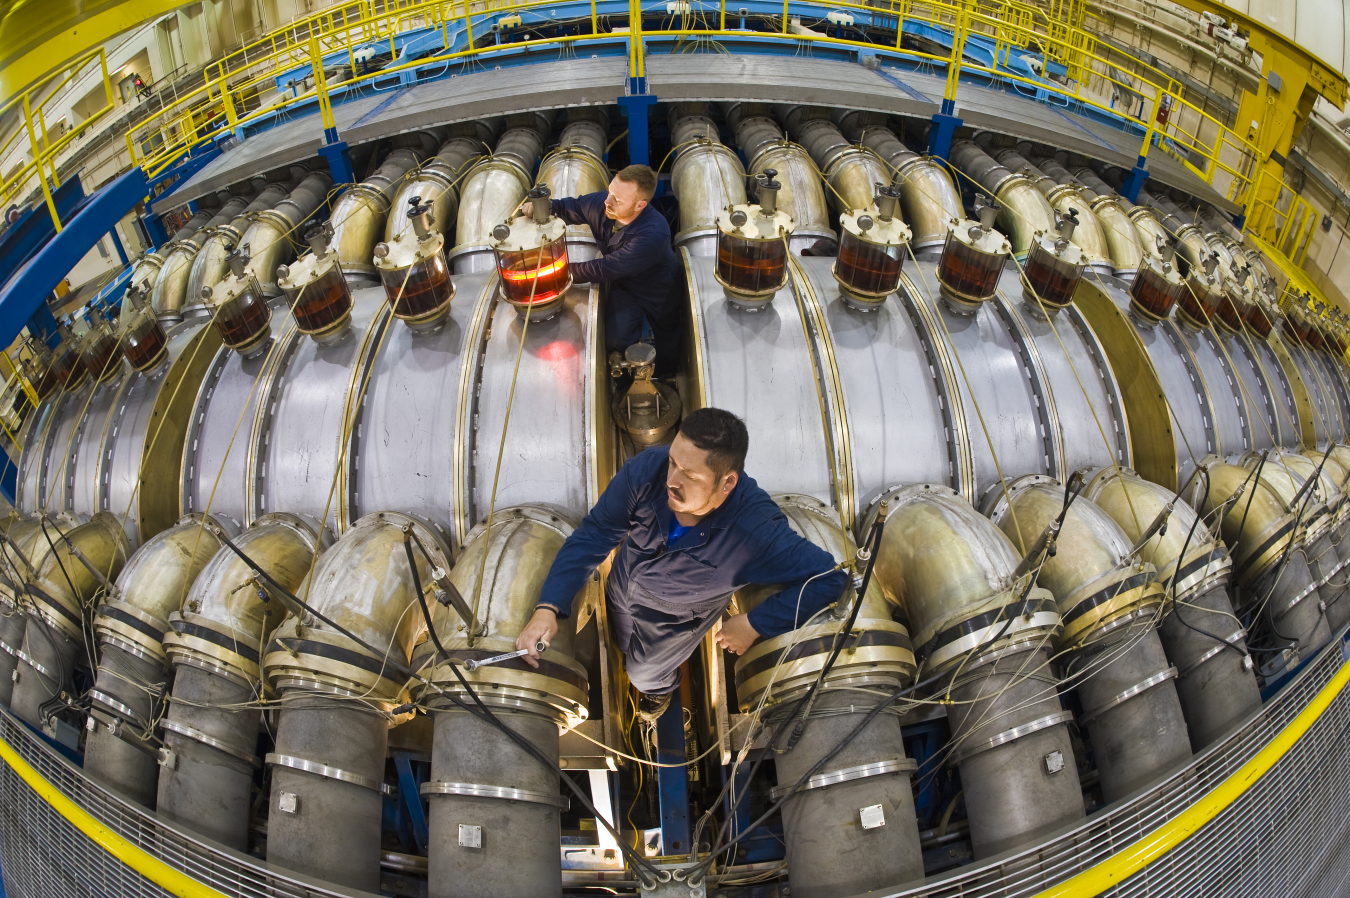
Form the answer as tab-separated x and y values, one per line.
691	528
635	260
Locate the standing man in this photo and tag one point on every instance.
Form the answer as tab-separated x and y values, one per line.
691	528
636	260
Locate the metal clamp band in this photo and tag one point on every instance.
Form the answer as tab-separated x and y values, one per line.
7	649
848	774
1228	641
22	656
505	793
1014	734
104	698
332	773
1161	676
197	735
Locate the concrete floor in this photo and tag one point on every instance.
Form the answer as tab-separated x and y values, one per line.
558	83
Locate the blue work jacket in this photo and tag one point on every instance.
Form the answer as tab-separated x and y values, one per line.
636	260
746	540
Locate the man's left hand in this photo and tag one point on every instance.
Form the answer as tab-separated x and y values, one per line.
736	635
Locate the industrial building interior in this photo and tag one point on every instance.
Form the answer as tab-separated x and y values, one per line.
1037	313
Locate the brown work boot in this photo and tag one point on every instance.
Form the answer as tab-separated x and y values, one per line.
651	707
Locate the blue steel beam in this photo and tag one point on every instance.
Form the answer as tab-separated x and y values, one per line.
35	227
673	782
26	292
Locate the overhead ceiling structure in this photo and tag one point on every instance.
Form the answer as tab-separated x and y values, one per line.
36	37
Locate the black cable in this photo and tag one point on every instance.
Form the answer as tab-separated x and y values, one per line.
873	546
1285	555
525	744
1254	477
421	602
1176	576
84	640
701	868
485	714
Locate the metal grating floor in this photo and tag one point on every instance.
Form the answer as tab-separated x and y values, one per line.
1287	835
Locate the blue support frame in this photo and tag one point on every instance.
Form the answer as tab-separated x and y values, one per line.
637	104
24	296
35	227
339	160
1134	182
410	790
673	782
943	130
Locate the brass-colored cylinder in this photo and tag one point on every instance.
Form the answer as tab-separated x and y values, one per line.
1092	576
883	656
951	570
519	551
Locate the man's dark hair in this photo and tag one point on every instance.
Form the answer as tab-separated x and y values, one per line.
643	177
720	434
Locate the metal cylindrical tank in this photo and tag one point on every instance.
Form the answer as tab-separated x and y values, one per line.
851	171
1023	209
211	264
121	749
955	575
61	586
491	193
271	237
1122	238
214	644
477	773
706	178
1109	601
829	855
358	218
576	167
1201	635
21	546
928	198
1274	576
1065	199
323	823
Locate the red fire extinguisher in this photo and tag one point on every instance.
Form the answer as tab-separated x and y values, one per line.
1164	107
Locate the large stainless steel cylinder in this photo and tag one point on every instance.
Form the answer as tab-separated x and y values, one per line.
1110	603
273	234
24	544
61	586
324	817
1013	750
336	695
491	192
210	265
1203	638
706	178
358	219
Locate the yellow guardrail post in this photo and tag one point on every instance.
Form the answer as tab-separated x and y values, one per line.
39	159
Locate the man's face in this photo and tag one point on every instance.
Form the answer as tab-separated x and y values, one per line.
691	486
623	203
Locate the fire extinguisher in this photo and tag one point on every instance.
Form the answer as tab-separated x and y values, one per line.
1164	108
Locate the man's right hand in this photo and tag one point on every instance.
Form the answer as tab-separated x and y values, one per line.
543	626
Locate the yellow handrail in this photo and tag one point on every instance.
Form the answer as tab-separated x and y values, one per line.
1144	851
46	150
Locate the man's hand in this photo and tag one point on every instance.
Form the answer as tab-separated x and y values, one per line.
543	626
736	635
